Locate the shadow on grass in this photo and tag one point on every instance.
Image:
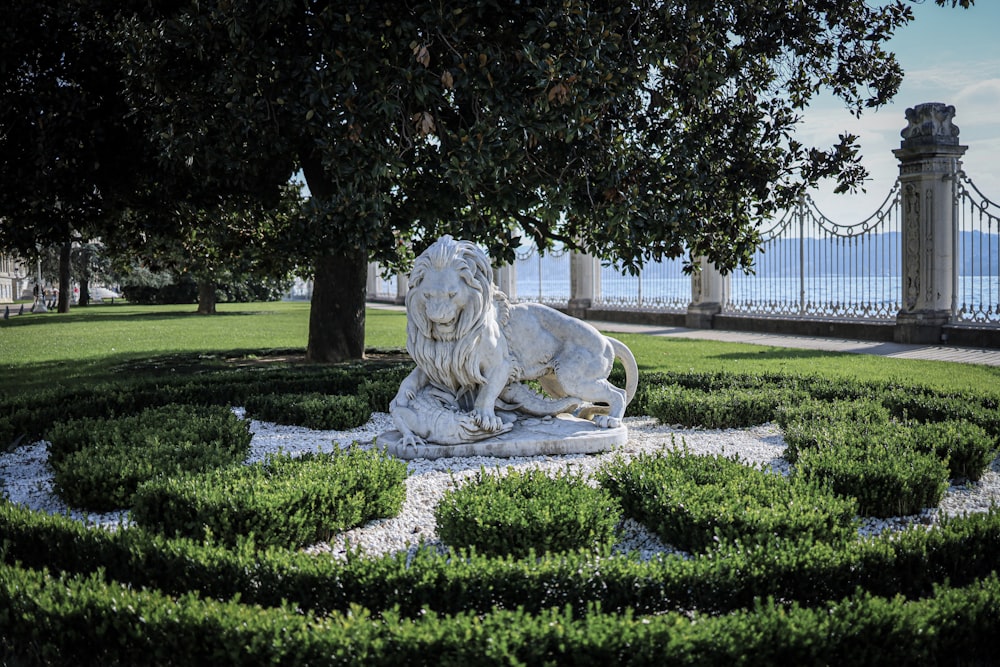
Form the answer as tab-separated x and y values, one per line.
38	376
77	316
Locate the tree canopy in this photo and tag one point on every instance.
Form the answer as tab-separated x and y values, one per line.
633	130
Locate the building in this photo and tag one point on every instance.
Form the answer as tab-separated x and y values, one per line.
11	278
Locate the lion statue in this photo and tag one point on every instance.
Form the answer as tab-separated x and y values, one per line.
474	350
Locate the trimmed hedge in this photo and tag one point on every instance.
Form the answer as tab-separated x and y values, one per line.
76	620
283	501
519	513
694	502
730	576
722	408
313	410
99	463
887	478
27	417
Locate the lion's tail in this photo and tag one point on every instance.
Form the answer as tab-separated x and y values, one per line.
631	368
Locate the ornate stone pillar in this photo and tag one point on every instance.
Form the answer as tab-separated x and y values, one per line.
584	272
929	160
709	293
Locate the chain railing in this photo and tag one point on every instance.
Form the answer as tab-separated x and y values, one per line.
810	266
977	266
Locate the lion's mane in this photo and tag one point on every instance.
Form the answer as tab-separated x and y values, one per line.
453	363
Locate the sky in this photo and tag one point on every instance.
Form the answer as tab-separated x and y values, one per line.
948	55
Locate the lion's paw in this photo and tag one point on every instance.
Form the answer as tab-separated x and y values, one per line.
488	422
605	421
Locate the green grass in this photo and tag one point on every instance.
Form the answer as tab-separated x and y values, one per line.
103	341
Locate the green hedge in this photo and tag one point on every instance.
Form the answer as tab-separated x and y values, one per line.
312	410
74	620
693	502
720	408
27	417
99	463
730	576
517	513
887	478
283	501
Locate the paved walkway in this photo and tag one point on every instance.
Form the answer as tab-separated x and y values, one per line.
967	355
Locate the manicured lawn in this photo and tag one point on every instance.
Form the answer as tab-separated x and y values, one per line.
102	341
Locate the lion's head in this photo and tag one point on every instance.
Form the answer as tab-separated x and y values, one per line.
449	299
450	290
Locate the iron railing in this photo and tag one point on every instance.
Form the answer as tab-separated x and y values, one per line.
977	265
810	266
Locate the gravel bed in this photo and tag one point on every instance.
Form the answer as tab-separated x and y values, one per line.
26	479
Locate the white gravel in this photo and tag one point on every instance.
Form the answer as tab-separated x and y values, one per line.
26	479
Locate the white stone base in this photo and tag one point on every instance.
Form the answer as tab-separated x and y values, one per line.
547	436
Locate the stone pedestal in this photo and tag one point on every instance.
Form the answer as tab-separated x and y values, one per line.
929	161
709	293
543	436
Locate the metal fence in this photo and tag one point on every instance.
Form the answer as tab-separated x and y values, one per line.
977	243
659	286
543	278
809	265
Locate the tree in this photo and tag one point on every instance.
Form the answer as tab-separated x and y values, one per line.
69	147
234	240
632	130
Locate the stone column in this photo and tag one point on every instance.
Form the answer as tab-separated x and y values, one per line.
505	278
402	285
929	160
709	293
371	285
584	272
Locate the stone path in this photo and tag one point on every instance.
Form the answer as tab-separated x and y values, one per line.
967	355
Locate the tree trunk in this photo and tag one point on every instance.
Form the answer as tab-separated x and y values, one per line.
84	299
337	311
206	297
62	305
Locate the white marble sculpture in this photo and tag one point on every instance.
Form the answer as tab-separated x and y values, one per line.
474	350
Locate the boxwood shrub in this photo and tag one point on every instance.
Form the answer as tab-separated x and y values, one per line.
517	512
723	408
99	463
888	477
967	448
283	501
312	410
694	502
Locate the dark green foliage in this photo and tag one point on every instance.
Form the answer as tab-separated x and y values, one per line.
514	513
718	408
730	576
887	477
813	423
76	620
929	407
313	410
694	502
27	417
967	447
99	463
283	501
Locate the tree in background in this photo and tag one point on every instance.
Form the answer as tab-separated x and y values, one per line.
69	146
236	243
631	130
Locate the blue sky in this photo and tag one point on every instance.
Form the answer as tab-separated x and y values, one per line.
948	55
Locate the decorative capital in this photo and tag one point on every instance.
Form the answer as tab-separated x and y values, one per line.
930	123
